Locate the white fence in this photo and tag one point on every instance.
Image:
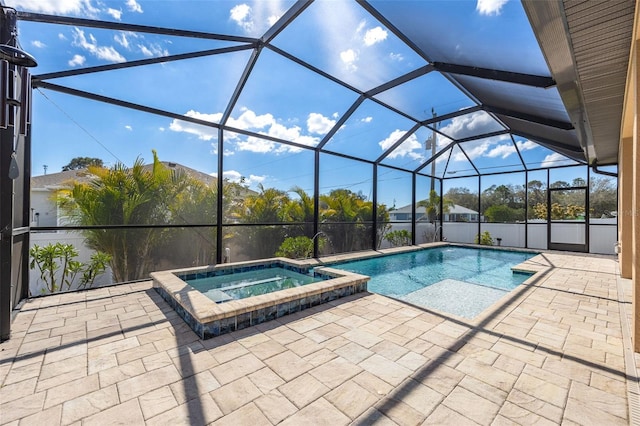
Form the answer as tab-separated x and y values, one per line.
603	237
603	233
36	285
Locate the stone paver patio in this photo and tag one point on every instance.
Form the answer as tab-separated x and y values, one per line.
550	352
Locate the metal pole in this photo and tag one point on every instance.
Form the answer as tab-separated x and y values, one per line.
6	188
432	142
316	201
220	197
413	209
526	209
374	246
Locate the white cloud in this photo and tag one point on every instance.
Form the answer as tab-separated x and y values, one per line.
134	6
116	13
162	129
153	49
526	145
260	146
257	18
490	148
273	19
128	127
277	130
249	120
493	148
55	7
552	160
241	15
502	150
367	119
76	60
237	177
38	44
122	40
374	35
254	179
319	124
264	124
202	132
61	36
396	57
335	115
107	53
475	123
490	7
411	147
349	57
145	51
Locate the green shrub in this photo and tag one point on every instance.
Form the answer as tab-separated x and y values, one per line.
298	247
484	239
50	258
399	238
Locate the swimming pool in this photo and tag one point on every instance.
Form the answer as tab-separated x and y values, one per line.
457	280
219	299
240	285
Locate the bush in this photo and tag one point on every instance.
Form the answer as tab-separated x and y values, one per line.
484	239
298	247
399	238
50	258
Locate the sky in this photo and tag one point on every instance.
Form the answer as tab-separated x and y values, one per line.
281	98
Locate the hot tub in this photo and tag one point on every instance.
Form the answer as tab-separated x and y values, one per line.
233	296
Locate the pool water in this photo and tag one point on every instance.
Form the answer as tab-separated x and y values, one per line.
240	285
457	280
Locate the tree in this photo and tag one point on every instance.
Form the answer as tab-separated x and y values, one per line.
536	193
267	207
197	204
398	238
432	206
348	220
300	210
503	214
463	197
503	203
603	197
78	163
125	196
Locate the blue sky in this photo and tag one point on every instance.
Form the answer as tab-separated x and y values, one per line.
281	99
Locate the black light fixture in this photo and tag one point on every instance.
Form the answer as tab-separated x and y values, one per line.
17	56
15	100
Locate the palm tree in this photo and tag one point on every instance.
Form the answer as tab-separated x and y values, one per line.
302	211
125	196
266	207
432	206
348	219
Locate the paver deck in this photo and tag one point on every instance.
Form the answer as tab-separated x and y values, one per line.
551	352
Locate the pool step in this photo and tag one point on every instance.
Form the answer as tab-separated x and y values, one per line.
250	283
217	295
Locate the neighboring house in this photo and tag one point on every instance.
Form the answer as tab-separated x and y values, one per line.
460	214
404	214
44	209
455	213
